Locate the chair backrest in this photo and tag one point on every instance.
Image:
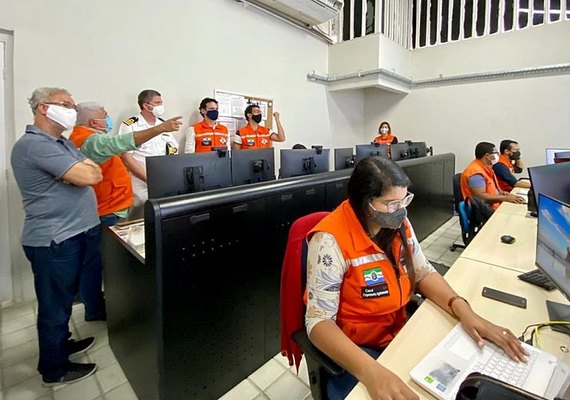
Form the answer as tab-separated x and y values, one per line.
464	214
293	285
457	196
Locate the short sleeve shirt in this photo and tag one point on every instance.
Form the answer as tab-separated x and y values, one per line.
55	210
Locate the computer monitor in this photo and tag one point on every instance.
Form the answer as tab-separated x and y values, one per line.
370	150
303	162
551	180
251	166
417	149
343	158
553	251
399	151
561	156
187	173
550	152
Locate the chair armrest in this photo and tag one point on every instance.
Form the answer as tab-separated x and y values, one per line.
311	350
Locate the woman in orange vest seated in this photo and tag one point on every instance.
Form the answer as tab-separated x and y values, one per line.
385	134
363	264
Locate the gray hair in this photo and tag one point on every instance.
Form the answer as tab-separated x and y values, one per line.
87	111
42	95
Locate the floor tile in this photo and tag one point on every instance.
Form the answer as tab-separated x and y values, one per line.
89	328
101	339
309	397
267	374
87	389
261	397
243	391
282	360
111	377
16	324
20	371
303	372
287	387
19	337
17	311
19	353
123	392
103	357
30	389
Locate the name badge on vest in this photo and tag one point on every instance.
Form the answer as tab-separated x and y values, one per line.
264	141
223	140
170	149
376	285
250	142
207	141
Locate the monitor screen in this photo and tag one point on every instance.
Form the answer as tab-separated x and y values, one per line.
553	242
370	150
343	158
417	149
399	151
303	162
550	154
551	180
251	166
187	173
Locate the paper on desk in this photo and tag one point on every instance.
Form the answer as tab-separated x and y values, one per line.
523	192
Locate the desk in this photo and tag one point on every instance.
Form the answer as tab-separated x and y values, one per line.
512	208
467	277
488	248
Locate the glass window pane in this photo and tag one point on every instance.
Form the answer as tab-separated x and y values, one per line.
468	25
444	20
357	18
523	19
508	17
554	10
494	16
423	22
538	12
433	21
346	21
480	27
455	19
567	9
370	11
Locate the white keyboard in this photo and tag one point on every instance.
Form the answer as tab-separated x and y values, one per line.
501	367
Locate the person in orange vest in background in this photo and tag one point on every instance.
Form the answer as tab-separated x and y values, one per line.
255	136
208	133
114	193
363	264
479	180
510	163
385	135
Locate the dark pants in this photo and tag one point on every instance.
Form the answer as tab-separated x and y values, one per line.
110	219
59	271
338	387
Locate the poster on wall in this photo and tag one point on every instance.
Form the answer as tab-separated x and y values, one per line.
231	107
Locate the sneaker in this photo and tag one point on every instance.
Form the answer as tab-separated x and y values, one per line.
100	317
79	346
75	373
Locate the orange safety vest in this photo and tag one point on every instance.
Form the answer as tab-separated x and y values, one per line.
491	184
115	192
388	139
210	136
503	159
374	292
260	139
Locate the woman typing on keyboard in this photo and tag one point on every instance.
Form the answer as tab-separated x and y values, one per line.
363	264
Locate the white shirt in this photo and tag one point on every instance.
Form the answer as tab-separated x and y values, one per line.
154	147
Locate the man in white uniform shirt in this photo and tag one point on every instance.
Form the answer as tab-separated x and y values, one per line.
150	103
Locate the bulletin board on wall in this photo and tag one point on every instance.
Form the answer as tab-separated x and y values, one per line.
231	107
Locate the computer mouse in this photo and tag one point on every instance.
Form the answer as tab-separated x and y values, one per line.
508	239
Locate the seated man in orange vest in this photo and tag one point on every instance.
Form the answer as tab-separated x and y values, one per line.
255	136
510	163
114	193
479	180
208	133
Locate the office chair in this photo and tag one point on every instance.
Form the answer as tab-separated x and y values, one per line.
294	339
463	220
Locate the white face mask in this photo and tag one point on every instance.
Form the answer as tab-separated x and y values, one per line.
66	117
495	159
157	111
384	130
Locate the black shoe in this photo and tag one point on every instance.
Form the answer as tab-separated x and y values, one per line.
74	347
75	372
100	317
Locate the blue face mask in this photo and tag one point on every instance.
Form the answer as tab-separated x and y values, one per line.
109	123
212	114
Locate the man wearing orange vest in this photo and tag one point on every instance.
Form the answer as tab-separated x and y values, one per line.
114	193
207	134
510	163
255	136
479	180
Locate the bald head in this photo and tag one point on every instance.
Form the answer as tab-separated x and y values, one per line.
88	111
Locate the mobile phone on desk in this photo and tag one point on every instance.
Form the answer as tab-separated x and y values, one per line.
504	297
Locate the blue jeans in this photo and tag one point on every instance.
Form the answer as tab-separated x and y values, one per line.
338	387
59	271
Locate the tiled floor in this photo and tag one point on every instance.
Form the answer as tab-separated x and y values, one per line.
274	381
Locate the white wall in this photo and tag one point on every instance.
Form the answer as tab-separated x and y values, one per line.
109	51
454	118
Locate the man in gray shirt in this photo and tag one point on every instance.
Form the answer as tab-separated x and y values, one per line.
60	229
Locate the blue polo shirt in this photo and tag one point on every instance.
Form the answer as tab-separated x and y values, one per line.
55	210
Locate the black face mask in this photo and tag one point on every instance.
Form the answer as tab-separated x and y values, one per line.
388	220
516	155
257	118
